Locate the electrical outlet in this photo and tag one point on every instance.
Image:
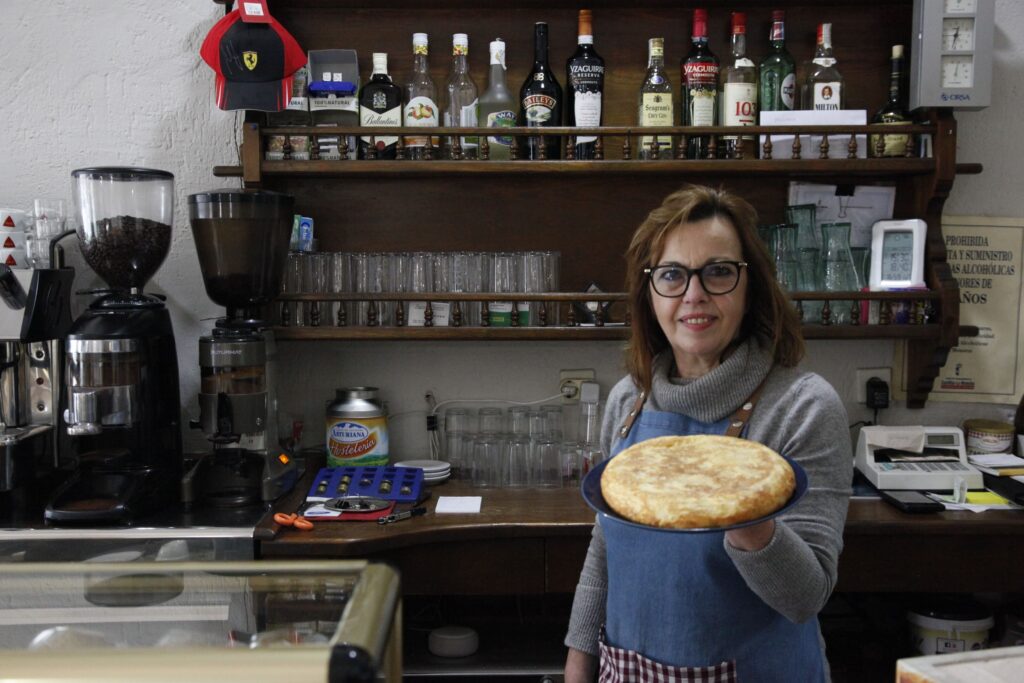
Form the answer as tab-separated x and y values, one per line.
570	381
864	374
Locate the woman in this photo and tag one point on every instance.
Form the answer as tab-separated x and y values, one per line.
712	330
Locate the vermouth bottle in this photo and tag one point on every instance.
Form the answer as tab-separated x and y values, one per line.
823	89
738	97
655	105
421	99
584	78
497	104
540	98
893	113
777	70
700	87
380	104
461	110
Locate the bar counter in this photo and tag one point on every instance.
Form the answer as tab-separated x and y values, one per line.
527	541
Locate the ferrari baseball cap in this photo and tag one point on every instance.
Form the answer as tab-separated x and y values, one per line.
254	62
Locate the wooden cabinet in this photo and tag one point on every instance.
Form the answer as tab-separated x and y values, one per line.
587	210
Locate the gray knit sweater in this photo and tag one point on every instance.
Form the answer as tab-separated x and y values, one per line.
799	415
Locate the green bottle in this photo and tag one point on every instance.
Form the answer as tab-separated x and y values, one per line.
778	71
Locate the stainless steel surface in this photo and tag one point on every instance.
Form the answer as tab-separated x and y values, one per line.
129	345
231	352
95	407
13	400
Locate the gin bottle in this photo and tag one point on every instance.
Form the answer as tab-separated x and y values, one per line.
421	99
497	105
655	105
461	109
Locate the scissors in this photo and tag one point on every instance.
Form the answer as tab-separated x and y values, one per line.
293	520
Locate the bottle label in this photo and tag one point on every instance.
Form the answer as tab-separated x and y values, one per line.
392	117
788	91
539	109
500	119
826	96
500	313
700	73
656	110
334	103
739	104
362	441
467	117
587	110
824	61
420	111
702	107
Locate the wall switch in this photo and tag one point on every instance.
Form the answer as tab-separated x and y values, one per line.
864	374
570	383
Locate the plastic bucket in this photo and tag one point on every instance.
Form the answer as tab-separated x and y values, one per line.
949	627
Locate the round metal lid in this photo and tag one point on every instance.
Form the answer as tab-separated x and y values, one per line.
240	196
122	173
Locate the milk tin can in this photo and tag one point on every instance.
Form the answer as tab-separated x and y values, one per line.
357	428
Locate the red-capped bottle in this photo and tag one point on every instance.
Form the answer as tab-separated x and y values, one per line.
699	71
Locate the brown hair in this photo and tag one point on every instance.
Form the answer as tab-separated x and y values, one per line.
770	314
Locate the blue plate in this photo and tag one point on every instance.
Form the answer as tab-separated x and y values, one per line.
592	494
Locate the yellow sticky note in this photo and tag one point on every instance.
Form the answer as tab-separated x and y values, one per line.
985	498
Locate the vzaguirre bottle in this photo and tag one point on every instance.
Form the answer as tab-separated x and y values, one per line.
380	104
700	87
584	86
540	99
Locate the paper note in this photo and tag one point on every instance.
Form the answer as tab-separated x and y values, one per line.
996	460
457	504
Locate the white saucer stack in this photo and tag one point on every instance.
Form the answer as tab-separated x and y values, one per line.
434	471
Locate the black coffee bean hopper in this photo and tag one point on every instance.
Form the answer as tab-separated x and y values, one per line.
122	413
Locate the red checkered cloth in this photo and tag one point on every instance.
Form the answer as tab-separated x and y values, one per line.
627	666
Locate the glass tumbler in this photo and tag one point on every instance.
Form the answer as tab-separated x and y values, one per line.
487	471
517	462
837	270
490	420
545	464
808	247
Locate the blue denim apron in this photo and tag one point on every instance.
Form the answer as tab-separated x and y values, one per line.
677	597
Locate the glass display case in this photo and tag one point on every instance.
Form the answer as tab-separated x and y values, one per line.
194	621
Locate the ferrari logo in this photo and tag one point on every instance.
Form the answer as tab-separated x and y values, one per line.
250	60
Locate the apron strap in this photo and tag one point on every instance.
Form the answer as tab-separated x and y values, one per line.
736	422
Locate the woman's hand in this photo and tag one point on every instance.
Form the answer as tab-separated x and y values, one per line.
580	667
751	538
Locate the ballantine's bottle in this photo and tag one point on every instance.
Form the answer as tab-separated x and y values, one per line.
584	79
421	99
380	104
540	98
700	87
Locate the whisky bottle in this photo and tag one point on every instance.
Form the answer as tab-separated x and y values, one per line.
380	104
823	89
584	86
699	71
497	105
540	98
777	70
461	109
738	97
420	99
655	107
893	113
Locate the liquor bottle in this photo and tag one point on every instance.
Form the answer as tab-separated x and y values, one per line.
738	97
380	104
540	98
420	99
1018	426
777	70
584	79
823	89
461	109
655	107
497	104
894	113
699	71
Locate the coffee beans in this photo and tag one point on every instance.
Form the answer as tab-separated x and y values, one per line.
125	250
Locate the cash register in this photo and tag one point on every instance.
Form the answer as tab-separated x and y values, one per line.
915	458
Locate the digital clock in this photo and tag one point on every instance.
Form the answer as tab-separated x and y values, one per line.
897	254
951	57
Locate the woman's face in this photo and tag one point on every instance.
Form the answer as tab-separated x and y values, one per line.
699	326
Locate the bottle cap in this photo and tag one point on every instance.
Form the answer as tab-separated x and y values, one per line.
739	22
779	15
825	35
380	62
419	39
586	29
460	39
897	51
497	49
700	23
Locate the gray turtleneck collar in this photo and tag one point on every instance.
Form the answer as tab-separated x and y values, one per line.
730	384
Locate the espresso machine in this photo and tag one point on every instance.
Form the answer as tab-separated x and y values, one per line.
34	317
122	411
242	240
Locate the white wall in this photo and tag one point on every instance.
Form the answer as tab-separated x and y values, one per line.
92	82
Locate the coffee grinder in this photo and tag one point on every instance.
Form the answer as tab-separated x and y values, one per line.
123	411
35	315
242	240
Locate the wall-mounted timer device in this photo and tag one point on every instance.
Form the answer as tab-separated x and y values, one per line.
951	57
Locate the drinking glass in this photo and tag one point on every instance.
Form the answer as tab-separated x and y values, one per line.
553	283
48	220
420	278
504	280
316	272
293	285
553	423
518	462
545	464
531	279
341	282
487	461
787	267
808	247
519	421
491	420
591	456
442	272
569	456
837	271
538	423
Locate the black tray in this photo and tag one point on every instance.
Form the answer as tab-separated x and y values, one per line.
592	494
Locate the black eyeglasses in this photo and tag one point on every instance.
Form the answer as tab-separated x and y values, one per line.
719	277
